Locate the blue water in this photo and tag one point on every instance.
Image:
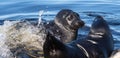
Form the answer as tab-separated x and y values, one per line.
21	9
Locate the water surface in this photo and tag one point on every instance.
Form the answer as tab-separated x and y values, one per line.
109	9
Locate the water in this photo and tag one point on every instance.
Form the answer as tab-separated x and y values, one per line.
15	11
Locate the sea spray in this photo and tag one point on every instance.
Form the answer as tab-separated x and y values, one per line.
40	17
4	49
15	33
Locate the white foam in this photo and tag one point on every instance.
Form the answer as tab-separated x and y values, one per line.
14	32
4	49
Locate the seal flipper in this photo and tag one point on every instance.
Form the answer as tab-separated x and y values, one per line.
53	47
100	26
100	33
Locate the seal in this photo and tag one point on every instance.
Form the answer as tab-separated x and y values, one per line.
97	44
66	25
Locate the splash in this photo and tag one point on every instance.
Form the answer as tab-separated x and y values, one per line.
4	49
14	33
40	17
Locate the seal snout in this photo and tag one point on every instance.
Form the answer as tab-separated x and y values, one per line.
80	23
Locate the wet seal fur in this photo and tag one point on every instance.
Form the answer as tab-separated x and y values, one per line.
98	44
65	25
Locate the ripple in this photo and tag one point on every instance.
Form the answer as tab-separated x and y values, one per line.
16	14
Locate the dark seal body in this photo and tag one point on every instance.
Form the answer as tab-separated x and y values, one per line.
98	44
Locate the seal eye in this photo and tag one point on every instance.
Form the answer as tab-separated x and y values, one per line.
70	17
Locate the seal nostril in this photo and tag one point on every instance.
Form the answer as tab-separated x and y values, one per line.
81	23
